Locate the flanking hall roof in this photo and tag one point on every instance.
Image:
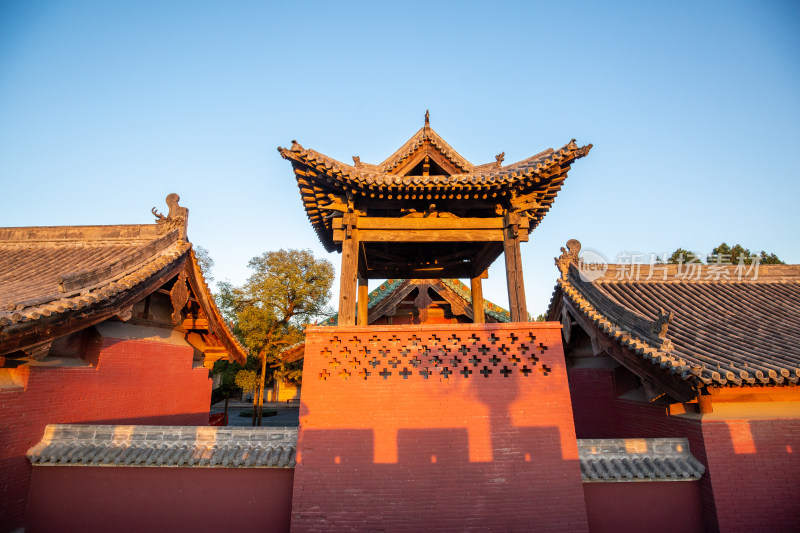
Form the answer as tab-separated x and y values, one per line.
454	184
701	324
58	280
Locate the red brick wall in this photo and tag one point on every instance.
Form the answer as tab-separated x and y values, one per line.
134	499
432	454
654	507
755	469
134	381
753	472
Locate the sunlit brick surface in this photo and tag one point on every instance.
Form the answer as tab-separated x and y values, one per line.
133	382
438	427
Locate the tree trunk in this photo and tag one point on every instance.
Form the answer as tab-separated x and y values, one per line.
255	408
261	386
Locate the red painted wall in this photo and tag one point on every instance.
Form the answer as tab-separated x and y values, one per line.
133	499
132	381
753	470
654	507
436	454
755	473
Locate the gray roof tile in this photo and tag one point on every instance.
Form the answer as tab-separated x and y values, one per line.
616	460
176	446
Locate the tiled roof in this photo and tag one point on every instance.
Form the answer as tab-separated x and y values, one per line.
708	330
386	288
614	460
49	264
170	446
319	175
425	134
64	278
489	308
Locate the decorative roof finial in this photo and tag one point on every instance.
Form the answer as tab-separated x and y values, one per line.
569	255
177	217
660	326
427	118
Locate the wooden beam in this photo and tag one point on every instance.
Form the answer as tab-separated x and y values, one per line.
349	275
516	285
428	223
363	301
425	235
453	272
195	323
477	300
484	259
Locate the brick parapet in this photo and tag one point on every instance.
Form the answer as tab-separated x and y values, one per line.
437	427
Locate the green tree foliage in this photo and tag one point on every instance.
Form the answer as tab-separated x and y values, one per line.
725	254
287	289
247	380
205	261
682	255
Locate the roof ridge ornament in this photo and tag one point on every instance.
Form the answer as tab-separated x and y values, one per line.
427	118
568	256
660	326
177	217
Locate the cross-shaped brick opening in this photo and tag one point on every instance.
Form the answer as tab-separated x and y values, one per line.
465	371
364	373
486	371
405	373
506	371
324	375
446	373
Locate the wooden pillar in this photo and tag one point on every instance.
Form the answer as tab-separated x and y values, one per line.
363	302
478	316
516	285
347	284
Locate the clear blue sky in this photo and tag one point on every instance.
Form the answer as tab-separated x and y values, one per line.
693	109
